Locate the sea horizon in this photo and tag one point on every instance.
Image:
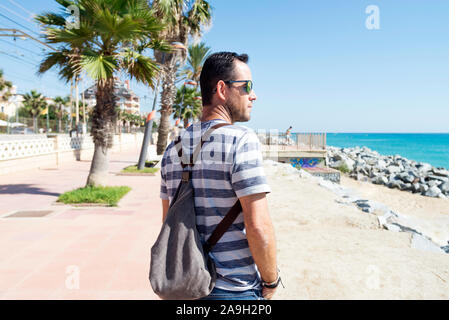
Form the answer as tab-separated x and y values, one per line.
432	148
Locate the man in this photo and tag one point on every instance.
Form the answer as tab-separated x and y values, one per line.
245	257
288	134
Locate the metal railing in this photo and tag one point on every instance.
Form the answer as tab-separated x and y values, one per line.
295	141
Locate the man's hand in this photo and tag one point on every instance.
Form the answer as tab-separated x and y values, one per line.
268	293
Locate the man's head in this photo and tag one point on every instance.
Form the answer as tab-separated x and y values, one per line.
224	81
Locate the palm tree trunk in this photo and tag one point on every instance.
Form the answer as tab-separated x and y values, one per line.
103	120
167	99
35	124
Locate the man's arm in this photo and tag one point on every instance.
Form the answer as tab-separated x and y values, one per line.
165	205
261	238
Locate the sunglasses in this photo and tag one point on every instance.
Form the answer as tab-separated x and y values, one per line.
248	87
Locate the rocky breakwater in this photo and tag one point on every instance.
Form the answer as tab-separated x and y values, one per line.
392	171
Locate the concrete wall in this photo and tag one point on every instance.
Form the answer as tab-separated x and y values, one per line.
42	152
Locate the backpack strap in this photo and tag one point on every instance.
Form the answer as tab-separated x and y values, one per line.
222	227
232	214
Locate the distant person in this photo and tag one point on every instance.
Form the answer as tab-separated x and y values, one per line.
288	135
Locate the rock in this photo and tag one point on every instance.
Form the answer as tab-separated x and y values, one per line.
406	177
423	188
393	169
344	161
433	183
433	192
445	249
394	184
363	170
380	165
364	205
405	186
439	178
416	187
392	227
422	243
441	172
380	180
337	157
423	167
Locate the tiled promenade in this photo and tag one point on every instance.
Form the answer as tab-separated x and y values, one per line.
77	253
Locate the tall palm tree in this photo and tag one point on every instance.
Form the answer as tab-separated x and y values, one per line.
183	18
198	53
187	104
5	87
112	37
34	103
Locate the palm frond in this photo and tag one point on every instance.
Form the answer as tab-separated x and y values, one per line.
60	60
98	66
140	67
50	18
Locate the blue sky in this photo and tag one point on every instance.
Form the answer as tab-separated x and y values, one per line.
315	64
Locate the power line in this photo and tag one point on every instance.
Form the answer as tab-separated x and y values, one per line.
2	15
15	13
16	45
22	56
15	57
19	6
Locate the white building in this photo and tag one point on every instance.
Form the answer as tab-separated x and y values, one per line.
14	102
127	100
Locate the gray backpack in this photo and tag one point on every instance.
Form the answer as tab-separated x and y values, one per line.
181	268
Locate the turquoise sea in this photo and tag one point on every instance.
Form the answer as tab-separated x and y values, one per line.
432	148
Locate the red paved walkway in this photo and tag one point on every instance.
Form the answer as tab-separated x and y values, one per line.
77	253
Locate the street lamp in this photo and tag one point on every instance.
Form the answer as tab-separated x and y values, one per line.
149	124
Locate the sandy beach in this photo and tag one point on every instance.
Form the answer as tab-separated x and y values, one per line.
330	250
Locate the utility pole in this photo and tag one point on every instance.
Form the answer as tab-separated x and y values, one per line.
148	132
84	107
71	104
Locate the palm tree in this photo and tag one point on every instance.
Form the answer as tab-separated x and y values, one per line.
5	87
183	18
61	103
112	37
34	103
198	53
187	104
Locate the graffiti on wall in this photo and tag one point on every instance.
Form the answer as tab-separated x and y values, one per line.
305	162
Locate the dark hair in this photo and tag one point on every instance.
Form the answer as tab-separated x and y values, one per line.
219	66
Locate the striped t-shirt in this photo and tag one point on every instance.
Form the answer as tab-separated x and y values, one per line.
229	166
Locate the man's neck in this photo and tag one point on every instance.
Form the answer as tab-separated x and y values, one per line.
216	112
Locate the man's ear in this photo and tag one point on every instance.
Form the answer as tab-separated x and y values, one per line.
221	90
